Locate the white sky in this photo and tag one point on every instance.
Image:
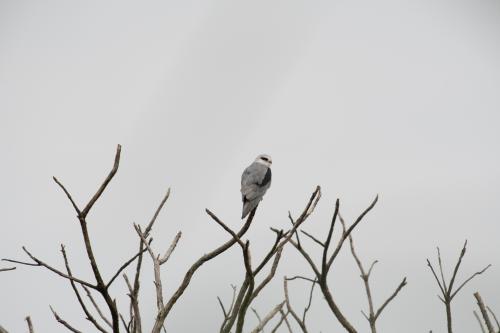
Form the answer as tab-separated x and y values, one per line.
398	98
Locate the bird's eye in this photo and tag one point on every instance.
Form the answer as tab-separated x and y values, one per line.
265	159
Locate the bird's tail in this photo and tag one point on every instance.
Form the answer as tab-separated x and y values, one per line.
248	206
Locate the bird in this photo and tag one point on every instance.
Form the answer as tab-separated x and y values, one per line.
255	181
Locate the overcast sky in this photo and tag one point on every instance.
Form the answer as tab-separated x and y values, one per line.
390	97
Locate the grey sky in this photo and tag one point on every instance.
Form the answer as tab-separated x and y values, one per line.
398	98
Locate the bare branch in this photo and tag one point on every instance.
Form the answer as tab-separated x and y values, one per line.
277	247
462	253
68	195
483	330
122	267
270	276
160	318
125	326
21	262
251	283
227	313
348	232
435	276
301	278
484	313
171	249
394	294
101	189
77	293
134	293
258	316
328	261
63	322
295	316
441	268
308	258
30	324
309	303
494	317
324	267
156	266
470	278
293	222
371	267
96	307
447	291
267	318
283	319
222	306
7	268
38	262
225	227
313	238
157	212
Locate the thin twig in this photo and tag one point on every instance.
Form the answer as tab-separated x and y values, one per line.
134	292
88	315
470	278
96	306
39	262
63	322
483	330
267	318
30	324
299	321
122	267
7	269
320	243
103	186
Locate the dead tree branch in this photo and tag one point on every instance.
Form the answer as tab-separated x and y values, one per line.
96	306
7	268
282	320
135	314
63	322
227	313
494	317
365	276
248	292
301	321
88	315
484	313
327	260
163	313
447	291
30	324
483	330
100	286
263	322
157	262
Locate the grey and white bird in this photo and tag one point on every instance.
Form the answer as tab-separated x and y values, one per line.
255	181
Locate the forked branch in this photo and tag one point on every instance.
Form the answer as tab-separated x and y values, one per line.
365	276
446	288
327	260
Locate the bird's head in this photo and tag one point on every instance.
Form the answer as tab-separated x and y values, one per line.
264	159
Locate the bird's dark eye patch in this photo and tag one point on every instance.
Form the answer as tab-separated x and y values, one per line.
265	159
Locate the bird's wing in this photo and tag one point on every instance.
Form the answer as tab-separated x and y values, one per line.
255	180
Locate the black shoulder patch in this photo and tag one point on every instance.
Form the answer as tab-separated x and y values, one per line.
267	178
